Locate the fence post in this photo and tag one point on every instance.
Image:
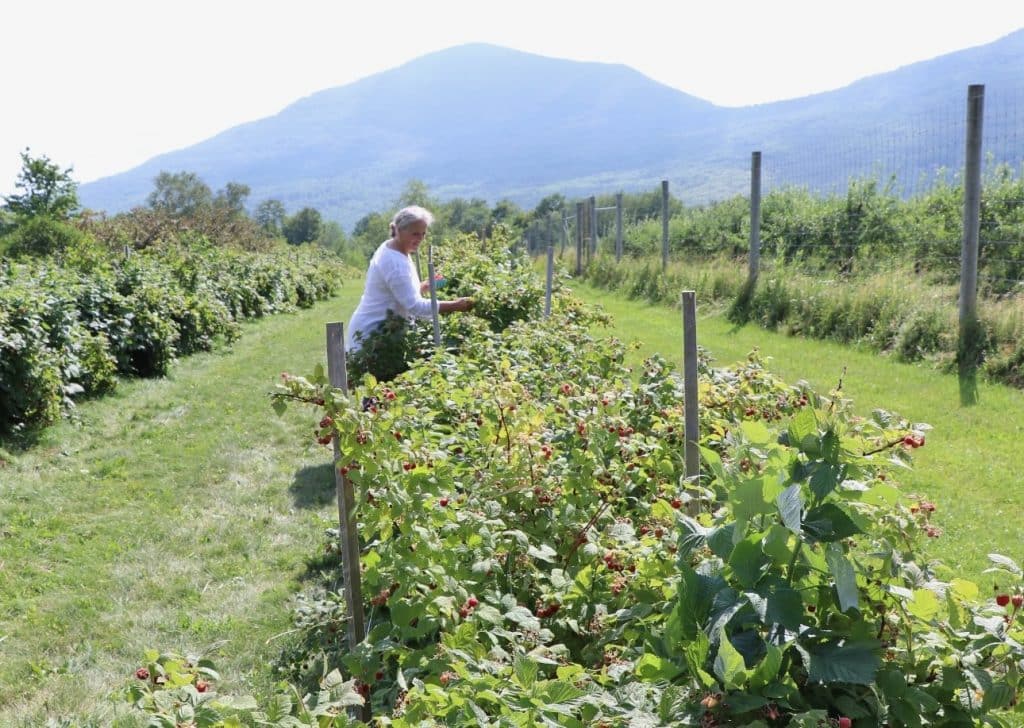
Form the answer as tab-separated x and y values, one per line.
690	394
433	297
348	533
972	210
755	217
593	224
618	227
664	225
550	277
579	238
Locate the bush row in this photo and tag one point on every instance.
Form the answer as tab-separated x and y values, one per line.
896	312
69	327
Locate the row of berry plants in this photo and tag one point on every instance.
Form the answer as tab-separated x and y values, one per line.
533	554
68	328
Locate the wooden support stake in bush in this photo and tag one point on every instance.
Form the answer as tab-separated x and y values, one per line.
550	278
690	395
433	297
593	225
348	532
755	218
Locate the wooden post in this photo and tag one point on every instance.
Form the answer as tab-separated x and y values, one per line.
579	238
551	275
433	297
593	224
664	224
349	534
972	210
690	394
755	217
618	227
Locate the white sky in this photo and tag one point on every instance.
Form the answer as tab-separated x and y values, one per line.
103	85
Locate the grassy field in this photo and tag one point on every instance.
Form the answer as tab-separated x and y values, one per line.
182	514
971	466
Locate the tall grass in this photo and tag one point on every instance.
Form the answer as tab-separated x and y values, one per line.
896	312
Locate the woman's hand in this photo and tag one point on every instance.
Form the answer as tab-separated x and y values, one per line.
459	304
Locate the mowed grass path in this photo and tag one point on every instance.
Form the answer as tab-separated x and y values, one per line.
179	514
972	465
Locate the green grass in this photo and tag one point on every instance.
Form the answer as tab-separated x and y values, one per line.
971	465
179	514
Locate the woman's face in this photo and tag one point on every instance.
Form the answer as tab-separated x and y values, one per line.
409	238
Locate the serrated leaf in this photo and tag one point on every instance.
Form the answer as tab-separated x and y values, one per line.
729	665
525	671
791	507
828	523
845	577
925	604
1005	562
854	662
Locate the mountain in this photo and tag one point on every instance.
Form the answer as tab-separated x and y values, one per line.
485	121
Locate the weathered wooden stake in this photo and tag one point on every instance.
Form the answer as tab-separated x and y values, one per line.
348	531
433	297
690	394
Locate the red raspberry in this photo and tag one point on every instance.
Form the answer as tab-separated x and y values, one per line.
1002	599
142	673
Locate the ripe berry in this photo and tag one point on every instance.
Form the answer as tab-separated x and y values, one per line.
389	395
398	435
325	440
326	421
379	675
443	502
201	686
408	466
472	602
142	673
844	722
1002	599
1017	600
676	503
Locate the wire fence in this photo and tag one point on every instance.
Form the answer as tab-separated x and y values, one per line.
841	201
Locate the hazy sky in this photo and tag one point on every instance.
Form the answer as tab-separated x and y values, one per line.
103	85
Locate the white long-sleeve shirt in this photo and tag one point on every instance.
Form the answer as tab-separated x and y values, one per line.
392	282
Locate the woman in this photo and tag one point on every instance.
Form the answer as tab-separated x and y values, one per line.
392	281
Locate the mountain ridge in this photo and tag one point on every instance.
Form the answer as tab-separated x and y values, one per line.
480	120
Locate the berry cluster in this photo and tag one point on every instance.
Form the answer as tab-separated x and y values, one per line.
466	609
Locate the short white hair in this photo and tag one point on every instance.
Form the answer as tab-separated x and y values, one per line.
409	215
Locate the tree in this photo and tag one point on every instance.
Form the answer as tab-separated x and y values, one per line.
270	216
232	198
181	194
303	227
47	190
551	203
416	193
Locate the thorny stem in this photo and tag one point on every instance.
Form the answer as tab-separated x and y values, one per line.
581	534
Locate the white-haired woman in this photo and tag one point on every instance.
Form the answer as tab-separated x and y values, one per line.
392	281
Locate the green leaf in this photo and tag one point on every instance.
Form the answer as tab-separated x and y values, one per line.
785	607
729	665
925	604
767	669
748	562
828	522
279	405
651	667
790	507
846	578
825	478
997	696
747	500
696	654
756	432
1006	562
525	671
853	662
803	432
